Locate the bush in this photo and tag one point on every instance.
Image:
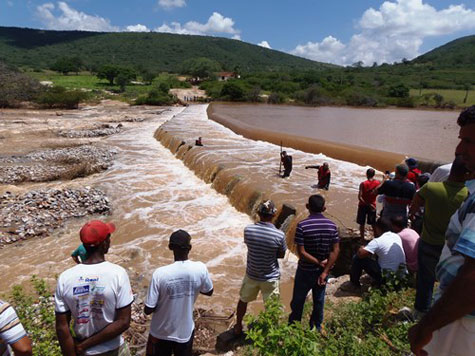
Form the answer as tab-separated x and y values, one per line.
59	97
276	98
398	91
368	327
16	87
232	91
36	313
156	97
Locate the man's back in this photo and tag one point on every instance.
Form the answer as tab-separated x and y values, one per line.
173	291
441	200
398	188
410	240
317	234
367	192
388	247
92	293
263	241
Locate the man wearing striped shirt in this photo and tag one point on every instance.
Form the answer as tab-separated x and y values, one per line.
318	247
12	335
265	244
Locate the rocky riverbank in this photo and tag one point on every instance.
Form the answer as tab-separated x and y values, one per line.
39	212
55	164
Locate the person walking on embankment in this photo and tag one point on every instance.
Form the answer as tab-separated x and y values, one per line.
265	244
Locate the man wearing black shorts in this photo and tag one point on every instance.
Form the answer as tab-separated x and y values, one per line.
367	202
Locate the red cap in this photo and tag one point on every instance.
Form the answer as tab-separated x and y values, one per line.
94	232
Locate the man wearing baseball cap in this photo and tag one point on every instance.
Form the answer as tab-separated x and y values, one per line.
265	244
97	296
171	295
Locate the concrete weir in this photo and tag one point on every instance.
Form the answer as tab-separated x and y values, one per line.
246	172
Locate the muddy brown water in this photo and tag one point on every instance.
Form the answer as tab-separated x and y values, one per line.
152	194
377	137
162	183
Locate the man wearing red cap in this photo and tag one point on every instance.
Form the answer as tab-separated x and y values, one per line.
97	296
171	296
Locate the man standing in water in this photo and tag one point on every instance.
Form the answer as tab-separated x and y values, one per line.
97	296
287	162
265	244
448	328
367	202
171	295
318	246
324	175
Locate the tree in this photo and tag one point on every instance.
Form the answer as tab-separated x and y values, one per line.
232	91
67	64
201	67
398	91
148	76
467	87
111	72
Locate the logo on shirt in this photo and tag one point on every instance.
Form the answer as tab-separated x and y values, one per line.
91	279
81	290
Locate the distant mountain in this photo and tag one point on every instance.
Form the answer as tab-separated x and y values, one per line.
39	49
459	53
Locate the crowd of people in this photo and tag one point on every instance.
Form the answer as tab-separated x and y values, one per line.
96	295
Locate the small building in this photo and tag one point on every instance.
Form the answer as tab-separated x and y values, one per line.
224	76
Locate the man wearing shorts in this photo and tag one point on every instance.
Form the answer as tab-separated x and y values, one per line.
265	244
367	202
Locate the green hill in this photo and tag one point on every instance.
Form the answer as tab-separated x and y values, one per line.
39	49
459	53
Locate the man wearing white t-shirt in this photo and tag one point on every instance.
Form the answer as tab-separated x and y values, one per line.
387	246
97	296
171	296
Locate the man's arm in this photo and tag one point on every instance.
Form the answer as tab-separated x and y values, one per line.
306	256
417	203
457	301
363	253
148	310
322	280
63	332
313	167
114	329
209	294
22	347
360	195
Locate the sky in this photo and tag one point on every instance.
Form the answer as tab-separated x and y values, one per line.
334	31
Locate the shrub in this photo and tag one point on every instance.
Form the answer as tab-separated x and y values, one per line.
156	97
232	91
276	98
59	97
16	87
36	313
398	91
368	327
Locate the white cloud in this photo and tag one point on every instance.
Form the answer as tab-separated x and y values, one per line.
216	24
10	3
264	44
394	31
137	28
71	19
169	4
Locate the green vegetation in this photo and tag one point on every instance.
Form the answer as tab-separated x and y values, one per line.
16	87
36	312
368	327
159	52
60	97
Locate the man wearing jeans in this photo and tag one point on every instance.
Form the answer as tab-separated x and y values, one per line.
387	246
318	247
440	201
